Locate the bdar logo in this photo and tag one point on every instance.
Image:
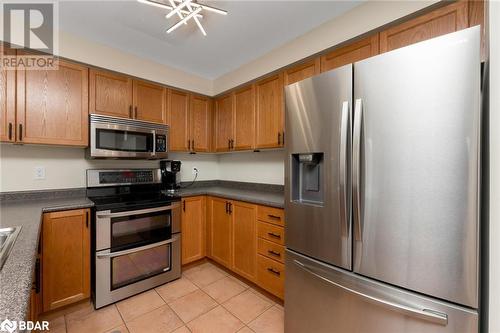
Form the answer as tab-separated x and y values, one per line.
8	326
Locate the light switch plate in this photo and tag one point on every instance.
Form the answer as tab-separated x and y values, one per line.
39	172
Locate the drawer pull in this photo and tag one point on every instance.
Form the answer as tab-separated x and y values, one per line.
274	253
272	234
274	217
274	271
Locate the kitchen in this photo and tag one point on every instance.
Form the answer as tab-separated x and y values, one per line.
262	192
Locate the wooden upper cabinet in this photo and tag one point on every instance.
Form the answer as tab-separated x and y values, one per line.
193	229
110	94
244	118
269	131
7	101
200	123
359	50
220	231
178	120
66	258
302	71
52	105
224	123
244	239
441	21
149	102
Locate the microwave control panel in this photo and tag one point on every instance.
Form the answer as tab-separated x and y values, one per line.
161	143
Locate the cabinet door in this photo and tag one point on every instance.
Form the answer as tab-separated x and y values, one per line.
149	102
244	217
66	258
220	231
244	118
270	120
359	50
200	120
193	229
178	120
110	94
52	105
7	101
302	71
441	21
224	126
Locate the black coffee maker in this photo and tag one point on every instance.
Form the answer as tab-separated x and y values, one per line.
170	175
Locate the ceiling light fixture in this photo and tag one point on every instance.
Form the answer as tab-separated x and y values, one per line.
185	10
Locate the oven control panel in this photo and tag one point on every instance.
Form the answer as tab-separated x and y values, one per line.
122	177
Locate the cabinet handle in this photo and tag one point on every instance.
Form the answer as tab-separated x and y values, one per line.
274	217
232	144
10	131
227	207
87	219
274	253
228	144
230	208
283	138
184	205
274	271
192	144
279	138
272	234
135	113
20	132
130	111
37	276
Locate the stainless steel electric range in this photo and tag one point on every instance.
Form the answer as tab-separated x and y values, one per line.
136	233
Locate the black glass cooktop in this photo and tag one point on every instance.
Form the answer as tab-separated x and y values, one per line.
129	198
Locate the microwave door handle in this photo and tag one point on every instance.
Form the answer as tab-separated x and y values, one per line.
137	212
137	249
153	153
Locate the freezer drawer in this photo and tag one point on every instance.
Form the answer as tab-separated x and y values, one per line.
416	167
322	298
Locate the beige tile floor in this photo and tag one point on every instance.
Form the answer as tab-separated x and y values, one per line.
205	299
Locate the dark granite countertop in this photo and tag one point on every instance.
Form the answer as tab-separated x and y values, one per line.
16	274
25	209
267	198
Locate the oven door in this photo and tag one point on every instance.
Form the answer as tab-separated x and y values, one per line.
122	274
121	141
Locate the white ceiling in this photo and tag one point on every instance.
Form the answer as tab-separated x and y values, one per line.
250	30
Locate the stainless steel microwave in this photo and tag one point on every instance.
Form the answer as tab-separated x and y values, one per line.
112	137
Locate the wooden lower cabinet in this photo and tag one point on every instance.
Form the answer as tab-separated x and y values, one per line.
244	242
65	258
271	276
220	231
193	229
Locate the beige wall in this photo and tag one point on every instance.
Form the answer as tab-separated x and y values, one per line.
358	21
494	260
92	53
65	167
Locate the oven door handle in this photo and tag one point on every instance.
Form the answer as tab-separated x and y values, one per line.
137	212
137	249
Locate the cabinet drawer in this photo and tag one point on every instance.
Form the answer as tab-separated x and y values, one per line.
271	215
271	232
271	250
271	275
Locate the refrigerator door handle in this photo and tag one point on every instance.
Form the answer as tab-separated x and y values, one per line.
356	166
425	314
344	123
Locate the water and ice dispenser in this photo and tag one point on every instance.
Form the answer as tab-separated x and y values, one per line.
307	176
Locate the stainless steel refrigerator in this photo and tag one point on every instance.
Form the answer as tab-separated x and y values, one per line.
382	187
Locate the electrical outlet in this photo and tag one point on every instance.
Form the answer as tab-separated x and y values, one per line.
39	172
195	171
